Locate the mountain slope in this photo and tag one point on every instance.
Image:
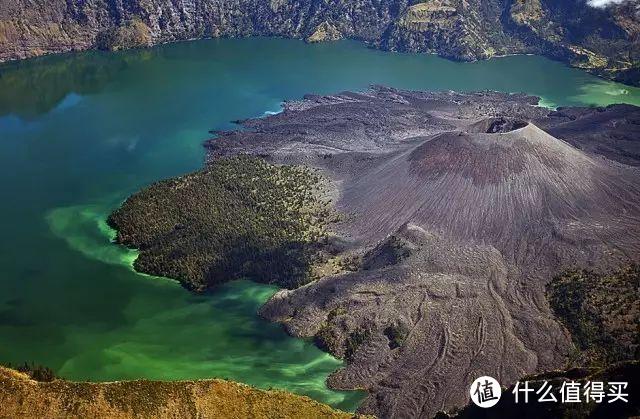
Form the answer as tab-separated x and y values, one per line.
604	41
461	209
483	221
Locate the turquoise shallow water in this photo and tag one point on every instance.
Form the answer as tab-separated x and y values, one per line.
78	133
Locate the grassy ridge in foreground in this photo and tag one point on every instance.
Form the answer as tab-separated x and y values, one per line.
239	217
22	397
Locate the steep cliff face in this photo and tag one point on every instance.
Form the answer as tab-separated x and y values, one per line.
35	27
604	41
460	29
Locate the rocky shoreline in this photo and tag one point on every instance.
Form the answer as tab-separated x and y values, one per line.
457	211
603	41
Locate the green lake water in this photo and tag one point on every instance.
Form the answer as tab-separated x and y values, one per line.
78	133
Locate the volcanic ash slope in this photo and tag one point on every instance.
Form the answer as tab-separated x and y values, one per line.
462	208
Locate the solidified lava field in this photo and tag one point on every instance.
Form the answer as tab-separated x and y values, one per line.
460	207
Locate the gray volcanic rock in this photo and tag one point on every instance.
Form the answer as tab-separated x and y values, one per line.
613	131
461	208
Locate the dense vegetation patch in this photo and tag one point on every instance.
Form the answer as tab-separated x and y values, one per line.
354	340
334	337
133	33
35	371
331	339
239	217
602	312
396	333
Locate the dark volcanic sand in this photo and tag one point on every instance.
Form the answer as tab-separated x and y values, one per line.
463	206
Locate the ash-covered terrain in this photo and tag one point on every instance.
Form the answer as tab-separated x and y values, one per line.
455	212
459	208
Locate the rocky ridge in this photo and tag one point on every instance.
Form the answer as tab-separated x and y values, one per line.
601	40
22	397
